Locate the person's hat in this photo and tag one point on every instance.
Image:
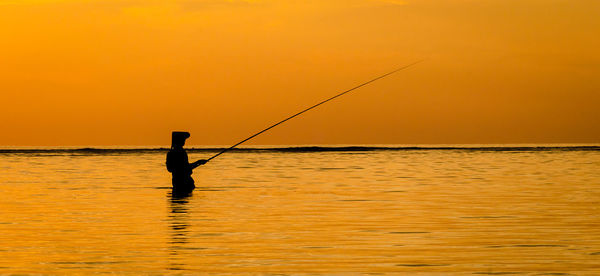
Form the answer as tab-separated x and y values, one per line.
180	135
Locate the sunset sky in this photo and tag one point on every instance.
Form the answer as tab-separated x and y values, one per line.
128	72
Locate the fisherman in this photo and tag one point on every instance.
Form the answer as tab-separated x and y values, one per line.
178	164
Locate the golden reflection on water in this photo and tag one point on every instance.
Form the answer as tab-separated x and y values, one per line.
434	212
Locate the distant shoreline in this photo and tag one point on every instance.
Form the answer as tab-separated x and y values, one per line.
294	149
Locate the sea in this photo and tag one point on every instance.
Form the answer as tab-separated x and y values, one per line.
303	210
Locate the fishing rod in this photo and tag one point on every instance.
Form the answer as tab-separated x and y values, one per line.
307	109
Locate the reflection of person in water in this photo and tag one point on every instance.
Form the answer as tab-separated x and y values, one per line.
179	223
178	164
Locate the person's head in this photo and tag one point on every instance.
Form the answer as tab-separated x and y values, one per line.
178	139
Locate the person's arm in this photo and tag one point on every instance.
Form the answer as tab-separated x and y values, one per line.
198	163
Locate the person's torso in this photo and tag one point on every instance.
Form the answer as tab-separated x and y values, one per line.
177	162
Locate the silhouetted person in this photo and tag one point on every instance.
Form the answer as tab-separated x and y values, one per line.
179	166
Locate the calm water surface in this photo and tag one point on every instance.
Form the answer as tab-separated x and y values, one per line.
434	212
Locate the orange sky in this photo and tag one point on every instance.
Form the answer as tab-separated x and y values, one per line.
127	72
